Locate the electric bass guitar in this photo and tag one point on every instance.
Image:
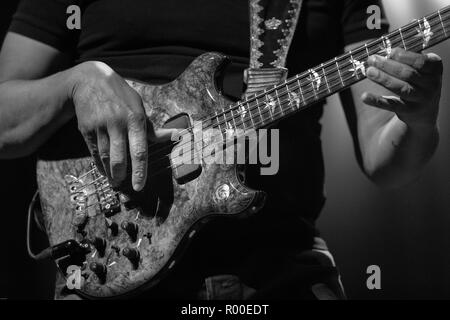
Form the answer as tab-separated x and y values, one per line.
119	244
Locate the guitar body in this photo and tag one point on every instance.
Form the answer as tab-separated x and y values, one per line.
165	215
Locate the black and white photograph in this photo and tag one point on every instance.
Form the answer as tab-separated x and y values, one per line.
218	157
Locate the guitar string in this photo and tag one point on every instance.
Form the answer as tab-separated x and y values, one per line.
306	101
330	78
401	34
288	101
115	193
436	19
334	70
312	99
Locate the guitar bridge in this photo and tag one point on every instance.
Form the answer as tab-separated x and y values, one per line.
90	195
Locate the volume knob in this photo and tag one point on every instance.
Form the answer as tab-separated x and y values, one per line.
112	226
133	255
100	245
99	270
131	229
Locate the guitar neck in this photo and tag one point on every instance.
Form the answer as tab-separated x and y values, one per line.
303	90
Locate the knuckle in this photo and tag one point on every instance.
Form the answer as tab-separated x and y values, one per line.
139	174
117	165
140	154
137	118
401	54
397	53
104	155
381	63
117	145
385	80
420	62
86	129
407	90
398	70
115	117
408	74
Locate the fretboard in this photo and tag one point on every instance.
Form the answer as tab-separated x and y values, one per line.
305	89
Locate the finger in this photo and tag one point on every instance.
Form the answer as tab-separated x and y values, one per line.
103	150
435	62
425	63
161	134
137	137
396	86
388	103
117	155
91	142
394	68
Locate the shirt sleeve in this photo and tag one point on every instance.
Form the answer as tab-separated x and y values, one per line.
354	21
46	21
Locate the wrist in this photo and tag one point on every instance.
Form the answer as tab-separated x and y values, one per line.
84	72
73	80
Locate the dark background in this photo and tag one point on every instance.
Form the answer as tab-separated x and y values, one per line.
405	232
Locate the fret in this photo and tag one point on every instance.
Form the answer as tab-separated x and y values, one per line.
367	50
358	67
255	115
387	45
279	102
315	80
267	104
403	39
442	23
325	76
339	71
250	115
288	90
354	63
300	90
259	111
242	113
227	125
232	117
354	70
220	127
290	93
267	115
294	101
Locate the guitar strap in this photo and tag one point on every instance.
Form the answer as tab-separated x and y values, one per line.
272	27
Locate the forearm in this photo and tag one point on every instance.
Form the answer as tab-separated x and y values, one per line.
31	110
396	152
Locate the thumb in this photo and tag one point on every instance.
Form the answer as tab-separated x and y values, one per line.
161	134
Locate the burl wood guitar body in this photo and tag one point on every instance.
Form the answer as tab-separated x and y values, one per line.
160	221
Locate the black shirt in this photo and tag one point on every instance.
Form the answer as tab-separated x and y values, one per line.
154	41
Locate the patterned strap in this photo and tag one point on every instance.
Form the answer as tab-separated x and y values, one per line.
272	26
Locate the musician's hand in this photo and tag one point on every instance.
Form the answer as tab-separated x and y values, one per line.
112	119
415	79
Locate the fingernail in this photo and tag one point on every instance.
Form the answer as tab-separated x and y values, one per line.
372	72
137	187
372	60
